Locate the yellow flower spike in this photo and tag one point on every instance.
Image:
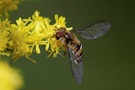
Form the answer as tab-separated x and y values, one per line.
19	35
3	39
4	36
27	35
10	78
8	5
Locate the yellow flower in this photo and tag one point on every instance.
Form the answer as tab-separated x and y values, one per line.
27	35
18	36
60	22
55	45
8	5
10	79
40	31
4	36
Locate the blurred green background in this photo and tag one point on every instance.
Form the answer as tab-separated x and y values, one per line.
109	62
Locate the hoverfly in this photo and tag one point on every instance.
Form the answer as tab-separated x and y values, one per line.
74	46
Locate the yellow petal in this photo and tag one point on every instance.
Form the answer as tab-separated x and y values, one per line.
37	49
47	46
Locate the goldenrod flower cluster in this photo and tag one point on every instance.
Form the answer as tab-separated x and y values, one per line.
10	78
8	5
27	35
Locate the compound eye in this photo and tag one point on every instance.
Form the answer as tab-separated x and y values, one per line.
59	34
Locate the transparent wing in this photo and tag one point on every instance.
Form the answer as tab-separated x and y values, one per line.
77	68
94	30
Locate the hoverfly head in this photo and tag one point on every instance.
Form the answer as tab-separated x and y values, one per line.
60	32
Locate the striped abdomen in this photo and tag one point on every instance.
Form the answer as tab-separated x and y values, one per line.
76	47
71	42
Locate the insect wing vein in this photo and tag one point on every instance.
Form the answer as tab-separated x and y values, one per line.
77	68
94	30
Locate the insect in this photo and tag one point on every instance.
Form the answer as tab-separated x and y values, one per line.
74	46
